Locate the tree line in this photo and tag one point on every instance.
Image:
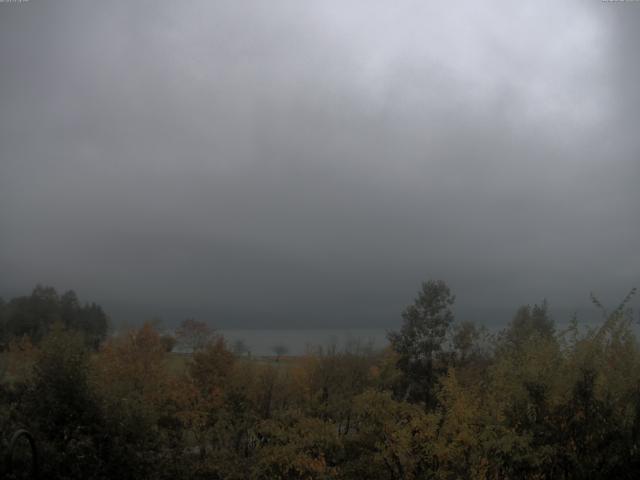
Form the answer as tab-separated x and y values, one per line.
445	400
34	315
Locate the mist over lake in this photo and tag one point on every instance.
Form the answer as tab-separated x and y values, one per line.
298	342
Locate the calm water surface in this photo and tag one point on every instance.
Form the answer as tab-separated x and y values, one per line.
261	342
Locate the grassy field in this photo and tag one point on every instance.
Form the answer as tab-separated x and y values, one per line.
15	366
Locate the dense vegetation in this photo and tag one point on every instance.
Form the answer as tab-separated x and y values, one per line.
34	315
444	401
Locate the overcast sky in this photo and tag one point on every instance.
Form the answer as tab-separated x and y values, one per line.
309	163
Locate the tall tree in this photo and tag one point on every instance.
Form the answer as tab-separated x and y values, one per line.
419	342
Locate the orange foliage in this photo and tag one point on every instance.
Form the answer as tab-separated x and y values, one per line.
134	362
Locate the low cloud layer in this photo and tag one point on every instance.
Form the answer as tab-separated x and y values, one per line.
309	163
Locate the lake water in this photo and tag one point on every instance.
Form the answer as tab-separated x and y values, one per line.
261	342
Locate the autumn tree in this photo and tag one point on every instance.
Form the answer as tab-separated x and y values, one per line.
330	379
194	335
131	380
296	447
389	440
211	365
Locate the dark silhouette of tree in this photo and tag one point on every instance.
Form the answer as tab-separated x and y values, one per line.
419	342
280	350
35	314
240	347
529	321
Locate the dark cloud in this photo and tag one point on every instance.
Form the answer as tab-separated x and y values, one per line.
309	164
